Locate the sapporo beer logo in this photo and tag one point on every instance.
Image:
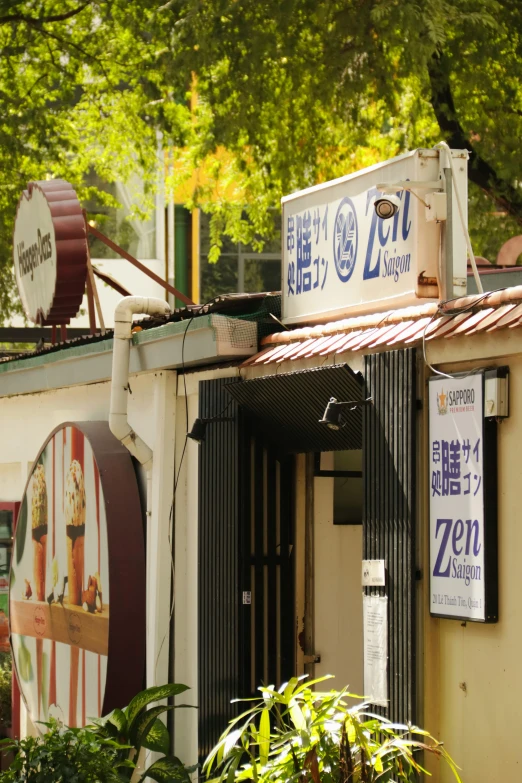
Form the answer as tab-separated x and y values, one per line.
345	239
442	403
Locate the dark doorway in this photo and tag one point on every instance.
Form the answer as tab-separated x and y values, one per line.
245	563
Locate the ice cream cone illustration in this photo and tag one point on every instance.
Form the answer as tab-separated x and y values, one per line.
75	526
39	526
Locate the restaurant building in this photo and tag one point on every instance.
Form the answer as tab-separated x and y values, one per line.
285	533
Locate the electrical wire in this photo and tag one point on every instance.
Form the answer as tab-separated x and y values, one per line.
453	313
194	314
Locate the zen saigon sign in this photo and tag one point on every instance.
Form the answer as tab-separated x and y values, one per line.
463	503
339	257
77	581
50	252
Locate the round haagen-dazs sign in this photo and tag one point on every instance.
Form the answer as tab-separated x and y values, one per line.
77	582
50	252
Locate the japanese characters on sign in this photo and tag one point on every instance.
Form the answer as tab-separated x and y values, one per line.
457	507
339	256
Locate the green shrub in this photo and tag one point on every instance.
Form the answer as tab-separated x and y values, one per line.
63	756
297	734
108	751
5	689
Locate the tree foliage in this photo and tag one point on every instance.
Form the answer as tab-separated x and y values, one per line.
294	92
83	86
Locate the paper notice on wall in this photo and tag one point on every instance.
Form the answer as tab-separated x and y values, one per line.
375	618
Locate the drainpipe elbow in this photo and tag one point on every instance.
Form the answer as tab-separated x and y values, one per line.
118	421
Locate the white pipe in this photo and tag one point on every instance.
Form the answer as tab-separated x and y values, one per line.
118	418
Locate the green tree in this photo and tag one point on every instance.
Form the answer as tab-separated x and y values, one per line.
304	91
84	86
297	91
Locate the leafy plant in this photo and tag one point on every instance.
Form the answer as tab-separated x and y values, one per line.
5	689
295	733
108	751
63	756
138	727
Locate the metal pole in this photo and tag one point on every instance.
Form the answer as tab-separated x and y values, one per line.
95	294
90	304
134	261
446	272
92	281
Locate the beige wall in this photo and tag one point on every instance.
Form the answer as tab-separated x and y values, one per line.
473	672
338	593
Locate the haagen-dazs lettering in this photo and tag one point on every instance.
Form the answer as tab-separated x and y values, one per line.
34	255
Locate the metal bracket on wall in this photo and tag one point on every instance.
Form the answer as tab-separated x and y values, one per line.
312	658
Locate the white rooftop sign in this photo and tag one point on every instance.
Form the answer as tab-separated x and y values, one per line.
339	257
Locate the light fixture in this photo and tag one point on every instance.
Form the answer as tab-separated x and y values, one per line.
199	428
333	411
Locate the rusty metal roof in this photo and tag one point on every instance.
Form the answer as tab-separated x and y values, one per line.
468	315
264	308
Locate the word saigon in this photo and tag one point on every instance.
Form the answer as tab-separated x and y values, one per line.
456	539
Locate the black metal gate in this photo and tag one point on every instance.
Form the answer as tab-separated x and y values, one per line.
389	514
246	569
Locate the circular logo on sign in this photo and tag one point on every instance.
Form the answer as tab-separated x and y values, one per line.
39	621
74	628
345	239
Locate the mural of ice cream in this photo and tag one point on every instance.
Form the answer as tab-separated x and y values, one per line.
71	582
74	510
39	529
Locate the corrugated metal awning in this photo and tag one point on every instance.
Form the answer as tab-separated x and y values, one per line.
289	405
457	318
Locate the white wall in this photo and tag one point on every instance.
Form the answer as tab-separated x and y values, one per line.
27	420
338	592
135	281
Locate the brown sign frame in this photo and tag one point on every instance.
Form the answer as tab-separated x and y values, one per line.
70	237
127	566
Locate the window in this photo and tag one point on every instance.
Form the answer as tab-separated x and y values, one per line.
345	467
239	268
136	236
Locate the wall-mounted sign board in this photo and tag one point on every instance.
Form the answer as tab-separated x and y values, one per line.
339	257
375	629
373	573
50	252
77	581
463	500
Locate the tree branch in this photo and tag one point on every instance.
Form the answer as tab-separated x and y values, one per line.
480	171
39	20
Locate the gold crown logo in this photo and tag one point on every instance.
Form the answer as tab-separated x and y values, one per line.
442	403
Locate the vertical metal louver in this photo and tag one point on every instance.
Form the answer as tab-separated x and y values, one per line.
389	514
269	568
245	562
219	545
